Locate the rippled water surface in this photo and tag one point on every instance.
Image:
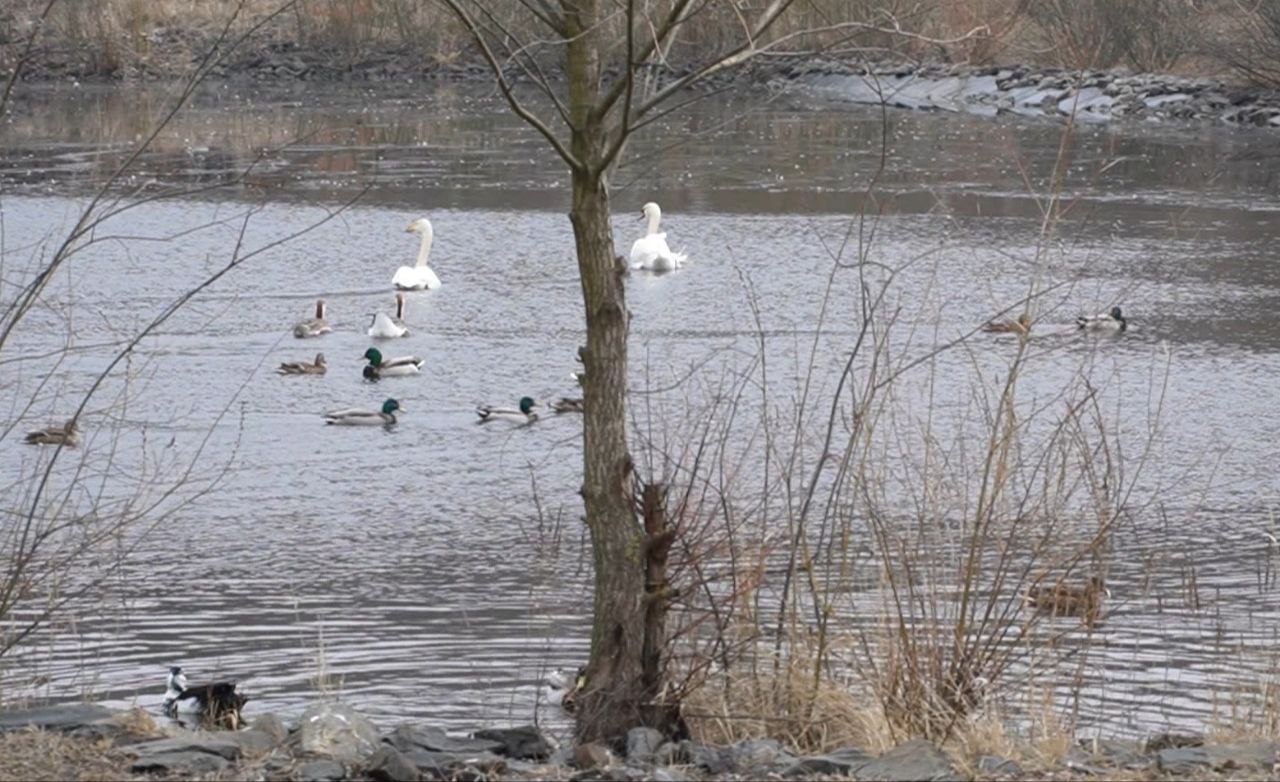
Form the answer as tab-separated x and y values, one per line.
435	570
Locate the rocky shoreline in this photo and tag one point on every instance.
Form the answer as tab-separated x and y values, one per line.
1089	96
332	741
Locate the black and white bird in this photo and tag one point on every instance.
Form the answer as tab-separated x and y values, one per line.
216	704
177	685
1106	321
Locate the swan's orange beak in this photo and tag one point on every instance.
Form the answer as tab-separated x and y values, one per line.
410	229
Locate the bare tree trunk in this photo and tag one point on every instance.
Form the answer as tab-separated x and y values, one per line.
608	706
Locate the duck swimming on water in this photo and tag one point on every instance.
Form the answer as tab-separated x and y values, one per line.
68	434
313	327
1108	321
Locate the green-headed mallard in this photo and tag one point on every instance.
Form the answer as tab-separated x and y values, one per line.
68	434
378	367
524	415
1020	326
1062	600
354	416
386	327
313	327
303	367
1109	321
418	276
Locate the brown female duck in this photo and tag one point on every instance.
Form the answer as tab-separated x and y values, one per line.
1061	599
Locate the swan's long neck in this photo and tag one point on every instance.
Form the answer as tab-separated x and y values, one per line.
654	217
424	251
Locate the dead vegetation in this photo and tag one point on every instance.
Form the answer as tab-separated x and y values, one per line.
123	37
39	755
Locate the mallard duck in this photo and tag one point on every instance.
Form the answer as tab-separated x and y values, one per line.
386	327
1110	321
378	367
354	416
313	327
524	415
418	276
1020	326
303	367
68	434
567	404
217	704
651	251
1063	600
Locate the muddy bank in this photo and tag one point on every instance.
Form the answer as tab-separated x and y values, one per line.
333	741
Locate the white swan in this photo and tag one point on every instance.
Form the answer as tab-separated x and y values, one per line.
418	276
386	327
651	251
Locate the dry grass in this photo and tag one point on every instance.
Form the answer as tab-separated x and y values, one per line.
787	707
41	755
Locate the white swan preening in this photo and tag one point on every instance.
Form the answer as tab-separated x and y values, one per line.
386	327
313	327
650	251
419	276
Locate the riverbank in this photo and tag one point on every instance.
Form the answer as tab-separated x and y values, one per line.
1087	95
332	741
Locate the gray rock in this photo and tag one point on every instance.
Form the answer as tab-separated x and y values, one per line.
410	737
335	730
271	725
611	774
1183	760
322	771
592	755
175	763
209	744
1251	756
758	753
63	718
445	765
668	775
710	759
841	762
670	754
643	744
522	743
1112	754
251	742
389	765
916	759
998	766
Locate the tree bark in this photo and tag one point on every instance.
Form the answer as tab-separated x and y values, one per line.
613	700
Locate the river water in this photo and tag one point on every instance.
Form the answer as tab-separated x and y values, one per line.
436	570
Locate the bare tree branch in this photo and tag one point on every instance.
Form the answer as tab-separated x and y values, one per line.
503	84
